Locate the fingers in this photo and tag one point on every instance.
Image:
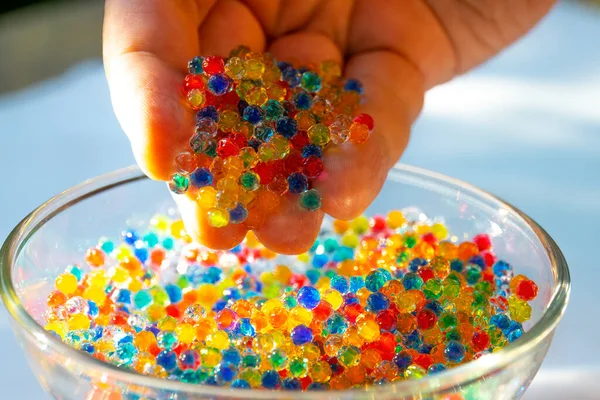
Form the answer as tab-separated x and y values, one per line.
230	24
290	229
407	28
393	97
197	226
147	44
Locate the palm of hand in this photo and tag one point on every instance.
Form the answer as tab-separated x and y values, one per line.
398	49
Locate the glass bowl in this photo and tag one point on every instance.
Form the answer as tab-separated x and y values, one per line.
59	231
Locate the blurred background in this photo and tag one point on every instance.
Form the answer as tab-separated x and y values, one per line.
525	126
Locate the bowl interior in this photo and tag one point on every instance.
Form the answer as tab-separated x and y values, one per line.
77	225
59	233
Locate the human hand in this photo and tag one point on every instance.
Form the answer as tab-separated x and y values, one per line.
397	49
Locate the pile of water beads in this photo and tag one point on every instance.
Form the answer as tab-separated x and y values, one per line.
261	129
374	301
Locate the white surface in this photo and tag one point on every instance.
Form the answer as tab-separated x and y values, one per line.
525	127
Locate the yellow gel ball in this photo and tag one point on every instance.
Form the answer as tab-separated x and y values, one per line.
350	240
254	69
168	323
159	222
60	327
282	274
360	225
177	229
96	294
257	96
311	352
78	322
156	312
299	316
395	219
208	295
120	275
333	297
185	333
368	329
211	357
218	217
207	197
439	231
519	310
135	286
251	240
270	305
304	257
66	283
235	68
196	98
123	252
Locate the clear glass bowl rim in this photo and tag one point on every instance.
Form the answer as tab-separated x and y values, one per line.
461	375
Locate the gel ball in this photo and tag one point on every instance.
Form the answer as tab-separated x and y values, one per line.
265	125
375	300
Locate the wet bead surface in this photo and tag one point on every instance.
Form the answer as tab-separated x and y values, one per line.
363	306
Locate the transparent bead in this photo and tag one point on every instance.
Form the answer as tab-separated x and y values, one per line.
340	129
77	305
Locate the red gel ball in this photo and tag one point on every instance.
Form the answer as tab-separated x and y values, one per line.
480	340
377	223
227	147
526	290
426	319
312	166
265	171
426	274
483	242
365	119
213	65
293	162
193	81
386	320
299	140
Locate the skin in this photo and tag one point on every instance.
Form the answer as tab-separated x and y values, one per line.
398	49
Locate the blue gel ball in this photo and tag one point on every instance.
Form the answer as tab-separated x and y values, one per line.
130	236
240	384
245	328
457	265
301	334
201	177
218	84
353	85
454	351
308	297
297	182
210	112
377	302
302	101
291	384
238	214
174	293
167	359
195	65
286	127
319	260
253	114
312	150
271	380
340	283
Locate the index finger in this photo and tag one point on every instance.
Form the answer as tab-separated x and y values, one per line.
146	46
